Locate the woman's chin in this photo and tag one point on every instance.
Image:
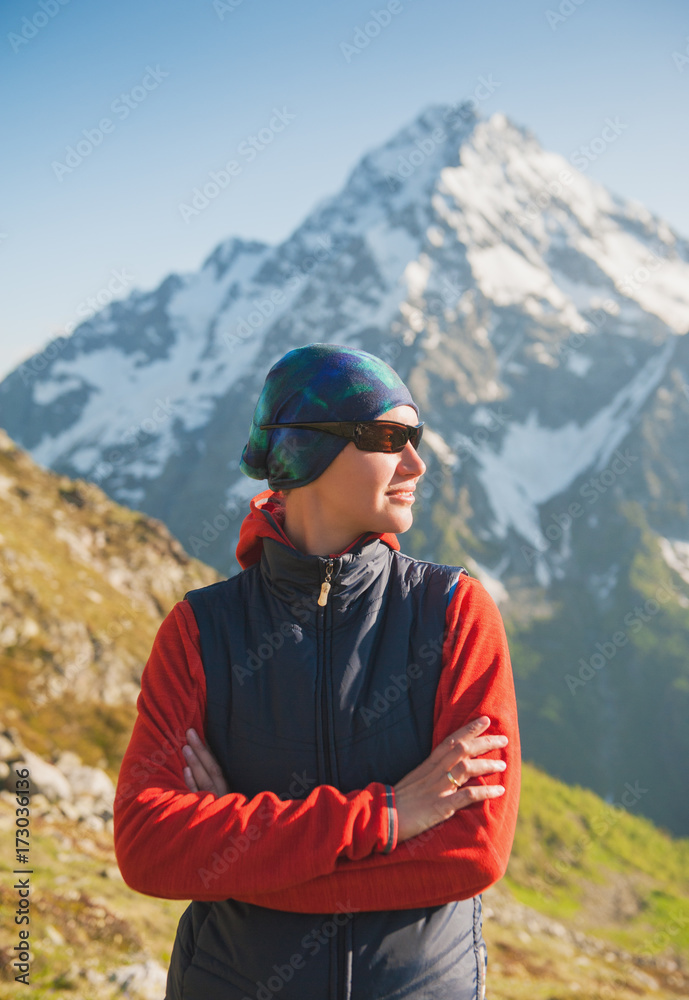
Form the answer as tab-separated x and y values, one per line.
398	522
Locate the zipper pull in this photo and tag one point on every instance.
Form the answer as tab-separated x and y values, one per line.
325	586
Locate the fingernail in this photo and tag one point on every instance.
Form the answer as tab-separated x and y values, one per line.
499	789
186	751
501	765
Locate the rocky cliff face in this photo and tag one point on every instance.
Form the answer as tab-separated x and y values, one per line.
539	321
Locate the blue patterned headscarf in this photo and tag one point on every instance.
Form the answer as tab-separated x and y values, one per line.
316	382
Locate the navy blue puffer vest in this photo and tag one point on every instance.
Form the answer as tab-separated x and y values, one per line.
300	695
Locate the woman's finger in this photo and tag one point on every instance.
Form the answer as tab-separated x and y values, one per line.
478	793
207	771
460	737
189	780
198	772
468	749
474	768
203	753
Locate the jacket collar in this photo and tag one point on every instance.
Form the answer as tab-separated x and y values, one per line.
296	577
265	520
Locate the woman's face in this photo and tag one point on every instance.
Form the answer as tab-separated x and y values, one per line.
369	490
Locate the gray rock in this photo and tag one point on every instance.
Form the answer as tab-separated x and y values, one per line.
47	779
91	782
144	981
8	751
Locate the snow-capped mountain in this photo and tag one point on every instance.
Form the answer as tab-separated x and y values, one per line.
539	321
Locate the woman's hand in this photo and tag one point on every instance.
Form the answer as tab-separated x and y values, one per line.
202	773
426	796
423	798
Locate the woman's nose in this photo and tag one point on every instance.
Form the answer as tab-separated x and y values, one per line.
411	460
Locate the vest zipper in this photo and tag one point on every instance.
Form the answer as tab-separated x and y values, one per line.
324	672
325	732
325	586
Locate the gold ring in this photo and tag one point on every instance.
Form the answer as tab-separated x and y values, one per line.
453	779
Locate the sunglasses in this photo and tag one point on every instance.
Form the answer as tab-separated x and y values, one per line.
368	435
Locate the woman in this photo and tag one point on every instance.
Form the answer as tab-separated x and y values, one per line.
337	830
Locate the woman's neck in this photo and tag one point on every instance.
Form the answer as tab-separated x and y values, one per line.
310	529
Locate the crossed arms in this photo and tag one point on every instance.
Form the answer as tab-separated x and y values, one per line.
314	854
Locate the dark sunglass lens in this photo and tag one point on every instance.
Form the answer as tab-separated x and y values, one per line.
398	438
386	437
375	436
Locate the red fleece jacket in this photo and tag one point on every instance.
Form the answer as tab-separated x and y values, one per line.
311	855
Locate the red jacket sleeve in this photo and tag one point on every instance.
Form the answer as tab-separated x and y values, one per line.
464	855
178	844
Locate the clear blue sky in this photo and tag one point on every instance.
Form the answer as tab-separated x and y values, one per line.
62	238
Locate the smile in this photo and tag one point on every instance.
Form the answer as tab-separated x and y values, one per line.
405	496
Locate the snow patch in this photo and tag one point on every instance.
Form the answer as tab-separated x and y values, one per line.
579	364
658	284
441	448
491	581
537	463
392	247
193	307
676	555
45	393
602	584
507	277
416	276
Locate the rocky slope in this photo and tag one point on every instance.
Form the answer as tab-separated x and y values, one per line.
84	585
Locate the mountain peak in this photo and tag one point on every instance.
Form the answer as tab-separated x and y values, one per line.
225	254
